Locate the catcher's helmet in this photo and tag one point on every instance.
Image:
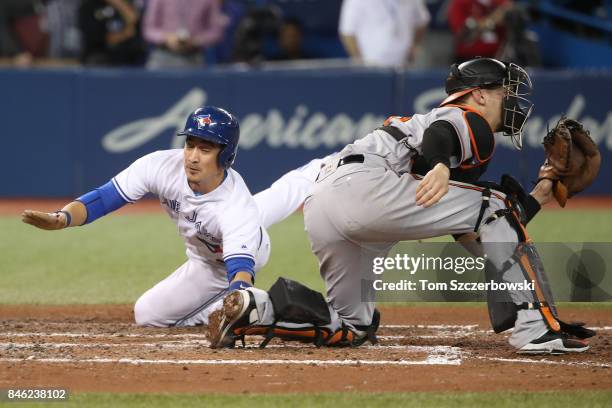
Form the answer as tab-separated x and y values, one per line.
491	73
218	126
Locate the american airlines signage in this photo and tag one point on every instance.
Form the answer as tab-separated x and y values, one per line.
310	129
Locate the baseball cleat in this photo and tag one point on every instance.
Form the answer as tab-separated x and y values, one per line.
236	311
554	343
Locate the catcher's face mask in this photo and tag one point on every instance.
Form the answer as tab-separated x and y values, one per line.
515	107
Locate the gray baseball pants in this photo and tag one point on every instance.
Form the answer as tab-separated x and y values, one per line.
360	211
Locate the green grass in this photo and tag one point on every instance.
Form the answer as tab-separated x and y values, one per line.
593	399
117	258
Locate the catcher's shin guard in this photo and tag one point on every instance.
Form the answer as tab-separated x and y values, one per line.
503	311
348	337
321	336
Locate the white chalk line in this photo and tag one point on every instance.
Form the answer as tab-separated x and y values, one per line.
430	360
165	345
104	335
550	362
437	355
191	336
165	338
468	327
188	344
429	326
459	330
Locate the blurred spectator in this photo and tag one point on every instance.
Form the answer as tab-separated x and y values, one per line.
63	28
290	39
383	32
478	27
521	45
21	34
110	33
254	31
223	51
180	31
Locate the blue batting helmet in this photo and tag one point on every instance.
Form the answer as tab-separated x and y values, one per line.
218	126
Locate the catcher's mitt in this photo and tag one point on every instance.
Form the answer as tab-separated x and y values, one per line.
572	159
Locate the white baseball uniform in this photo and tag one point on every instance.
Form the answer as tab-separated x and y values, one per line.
216	227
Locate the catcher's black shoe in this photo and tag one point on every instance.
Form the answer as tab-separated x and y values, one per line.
554	343
236	312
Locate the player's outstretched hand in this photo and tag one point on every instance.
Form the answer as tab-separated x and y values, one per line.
43	220
433	186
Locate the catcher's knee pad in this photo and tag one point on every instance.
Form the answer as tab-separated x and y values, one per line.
300	314
296	303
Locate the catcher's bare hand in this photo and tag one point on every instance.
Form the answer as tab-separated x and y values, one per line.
43	220
543	191
433	186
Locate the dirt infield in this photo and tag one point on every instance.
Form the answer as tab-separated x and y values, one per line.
97	348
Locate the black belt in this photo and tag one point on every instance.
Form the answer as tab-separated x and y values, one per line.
394	132
353	158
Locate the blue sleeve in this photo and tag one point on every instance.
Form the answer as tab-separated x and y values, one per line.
239	264
101	201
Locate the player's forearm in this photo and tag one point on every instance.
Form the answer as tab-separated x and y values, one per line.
74	213
542	192
244	277
242	280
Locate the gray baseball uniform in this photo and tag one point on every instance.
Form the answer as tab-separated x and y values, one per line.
363	204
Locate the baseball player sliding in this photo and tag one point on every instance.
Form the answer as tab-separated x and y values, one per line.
223	226
373	195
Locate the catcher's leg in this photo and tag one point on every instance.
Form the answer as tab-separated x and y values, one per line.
513	258
344	265
375	205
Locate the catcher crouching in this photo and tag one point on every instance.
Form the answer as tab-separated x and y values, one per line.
415	178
